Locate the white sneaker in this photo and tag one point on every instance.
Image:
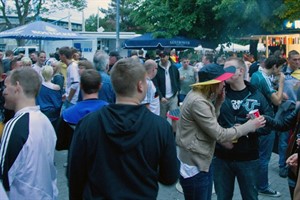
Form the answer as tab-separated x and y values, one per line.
270	192
178	187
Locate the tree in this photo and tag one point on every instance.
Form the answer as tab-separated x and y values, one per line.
217	21
28	10
107	24
126	23
289	10
191	18
91	23
253	20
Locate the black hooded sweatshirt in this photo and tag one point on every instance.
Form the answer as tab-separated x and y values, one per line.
121	152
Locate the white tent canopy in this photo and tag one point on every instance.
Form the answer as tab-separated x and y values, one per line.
260	47
232	47
200	48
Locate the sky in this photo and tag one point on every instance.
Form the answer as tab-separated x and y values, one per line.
92	6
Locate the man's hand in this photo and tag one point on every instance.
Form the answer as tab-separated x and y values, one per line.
164	100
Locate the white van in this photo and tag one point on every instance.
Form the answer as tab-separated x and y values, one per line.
25	50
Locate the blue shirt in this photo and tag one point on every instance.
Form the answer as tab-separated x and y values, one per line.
106	93
76	112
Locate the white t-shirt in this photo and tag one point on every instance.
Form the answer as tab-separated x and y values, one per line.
73	80
152	98
38	69
169	92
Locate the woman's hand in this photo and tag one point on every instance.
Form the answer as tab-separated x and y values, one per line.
292	160
220	98
256	123
259	122
227	145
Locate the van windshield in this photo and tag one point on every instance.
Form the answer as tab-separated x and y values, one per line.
18	50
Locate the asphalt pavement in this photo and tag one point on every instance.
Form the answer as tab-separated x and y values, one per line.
171	193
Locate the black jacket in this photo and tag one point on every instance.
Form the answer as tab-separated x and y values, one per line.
284	124
121	152
160	80
246	148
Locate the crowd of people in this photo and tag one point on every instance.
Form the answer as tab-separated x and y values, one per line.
111	114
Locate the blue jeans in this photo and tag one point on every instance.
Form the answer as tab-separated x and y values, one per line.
181	97
225	173
282	146
198	187
266	143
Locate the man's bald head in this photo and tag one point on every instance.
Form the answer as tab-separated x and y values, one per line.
151	68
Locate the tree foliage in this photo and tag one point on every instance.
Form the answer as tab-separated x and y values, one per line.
91	23
126	23
216	21
248	17
28	10
289	10
107	24
191	18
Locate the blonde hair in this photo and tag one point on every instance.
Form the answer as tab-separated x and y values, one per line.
209	91
47	72
26	62
58	65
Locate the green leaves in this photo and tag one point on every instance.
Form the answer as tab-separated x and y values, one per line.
216	21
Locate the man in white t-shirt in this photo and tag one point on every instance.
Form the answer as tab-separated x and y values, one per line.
72	87
152	97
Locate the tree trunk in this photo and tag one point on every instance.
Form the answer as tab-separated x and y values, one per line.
21	42
253	48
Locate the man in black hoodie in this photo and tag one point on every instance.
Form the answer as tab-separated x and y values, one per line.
122	150
239	159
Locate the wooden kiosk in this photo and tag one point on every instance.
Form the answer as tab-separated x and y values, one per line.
283	42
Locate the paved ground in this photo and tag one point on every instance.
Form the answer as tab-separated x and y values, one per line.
170	193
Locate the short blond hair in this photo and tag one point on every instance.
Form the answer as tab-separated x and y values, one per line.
47	72
125	75
26	62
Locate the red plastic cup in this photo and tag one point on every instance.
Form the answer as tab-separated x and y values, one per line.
3	76
254	114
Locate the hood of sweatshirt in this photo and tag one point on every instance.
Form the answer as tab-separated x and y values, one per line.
125	125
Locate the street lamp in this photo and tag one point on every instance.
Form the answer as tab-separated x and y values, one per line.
98	18
118	26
